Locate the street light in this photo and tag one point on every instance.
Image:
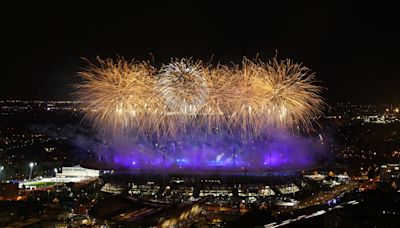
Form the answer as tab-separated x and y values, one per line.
1	171
55	171
31	168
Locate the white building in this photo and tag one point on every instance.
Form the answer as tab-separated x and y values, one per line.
315	177
216	191
288	189
149	189
67	174
256	190
77	171
113	188
286	202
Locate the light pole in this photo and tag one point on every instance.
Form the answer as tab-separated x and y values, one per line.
1	171
31	168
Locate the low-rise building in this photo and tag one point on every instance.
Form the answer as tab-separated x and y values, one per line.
77	171
390	172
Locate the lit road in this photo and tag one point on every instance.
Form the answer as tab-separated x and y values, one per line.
307	215
314	206
325	196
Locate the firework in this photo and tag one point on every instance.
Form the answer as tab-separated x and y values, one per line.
293	99
185	95
183	86
119	96
274	95
220	82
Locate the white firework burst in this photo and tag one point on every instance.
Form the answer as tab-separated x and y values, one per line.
183	86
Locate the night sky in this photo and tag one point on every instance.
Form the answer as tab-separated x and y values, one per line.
353	47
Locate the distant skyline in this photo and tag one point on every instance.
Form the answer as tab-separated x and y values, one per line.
352	47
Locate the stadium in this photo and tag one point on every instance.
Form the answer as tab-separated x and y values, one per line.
191	116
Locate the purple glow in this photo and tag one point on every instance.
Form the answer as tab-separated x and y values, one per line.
282	151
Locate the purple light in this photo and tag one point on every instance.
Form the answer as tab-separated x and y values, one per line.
217	152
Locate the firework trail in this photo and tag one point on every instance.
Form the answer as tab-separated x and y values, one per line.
183	86
277	95
119	96
190	96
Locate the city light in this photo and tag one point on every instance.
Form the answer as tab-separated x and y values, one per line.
187	114
31	165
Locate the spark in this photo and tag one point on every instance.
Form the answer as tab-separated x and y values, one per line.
183	86
186	95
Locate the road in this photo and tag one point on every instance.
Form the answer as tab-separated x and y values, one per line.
325	196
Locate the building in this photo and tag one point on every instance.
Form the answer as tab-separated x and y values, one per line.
68	174
178	191
145	190
255	190
390	172
8	190
113	188
77	171
286	202
315	177
216	191
288	189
